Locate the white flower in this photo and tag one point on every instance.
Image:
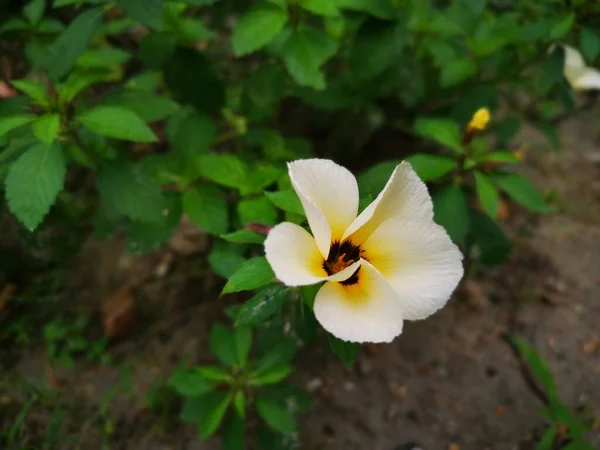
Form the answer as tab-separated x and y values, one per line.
389	264
579	76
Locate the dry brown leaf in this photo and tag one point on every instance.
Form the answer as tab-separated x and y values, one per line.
118	312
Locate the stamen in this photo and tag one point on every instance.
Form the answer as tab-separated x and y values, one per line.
341	256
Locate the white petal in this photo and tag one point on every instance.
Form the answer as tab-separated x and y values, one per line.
588	79
419	261
573	58
404	195
367	311
294	257
329	194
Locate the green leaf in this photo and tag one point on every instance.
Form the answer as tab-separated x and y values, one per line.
382	9
263	90
443	131
487	194
192	134
214	373
72	42
207	208
305	51
148	12
129	190
562	26
33	90
243	342
451	211
156	48
259	210
193	80
78	81
34	11
189	383
326	8
431	167
539	368
272	375
33	182
287	201
252	274
12	122
239	402
257	27
117	123
547	440
347	352
589	43
244	237
227	170
497	157
372	181
103	58
457	71
149	106
225	258
491	241
522	191
277	349
213	418
234	431
275	415
263	305
46	128
222	344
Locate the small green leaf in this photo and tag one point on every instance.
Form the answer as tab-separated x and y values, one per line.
227	170
225	258
431	167
451	211
189	383
589	42
76	82
263	305
281	352
239	402
223	345
304	52
34	11
207	208
522	191
234	430
33	90
149	106
444	131
259	210
287	201
487	194
346	351
191	134
562	26
243	342
273	375
328	8
117	123
213	418
46	128
156	48
148	12
372	181
538	366
547	440
492	243
252	274
214	373
244	237
457	71
257	27
497	157
12	122
34	181
275	415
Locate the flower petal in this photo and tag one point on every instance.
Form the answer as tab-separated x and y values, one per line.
404	195
573	58
294	257
419	261
588	79
367	311
329	195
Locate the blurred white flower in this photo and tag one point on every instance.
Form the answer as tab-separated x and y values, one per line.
579	76
389	264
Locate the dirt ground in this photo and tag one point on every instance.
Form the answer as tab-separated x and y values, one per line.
449	382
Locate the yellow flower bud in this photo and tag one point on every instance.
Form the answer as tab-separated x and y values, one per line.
480	119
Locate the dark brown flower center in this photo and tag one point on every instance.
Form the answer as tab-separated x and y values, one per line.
342	255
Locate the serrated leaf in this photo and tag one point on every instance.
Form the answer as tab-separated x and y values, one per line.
257	210
148	12
287	201
130	190
244	237
431	167
487	194
263	305
275	415
33	182
451	211
304	52
224	169
189	383
252	274
444	131
117	123
522	191
257	27
347	352
207	208
33	90
13	122
223	345
72	42
46	128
